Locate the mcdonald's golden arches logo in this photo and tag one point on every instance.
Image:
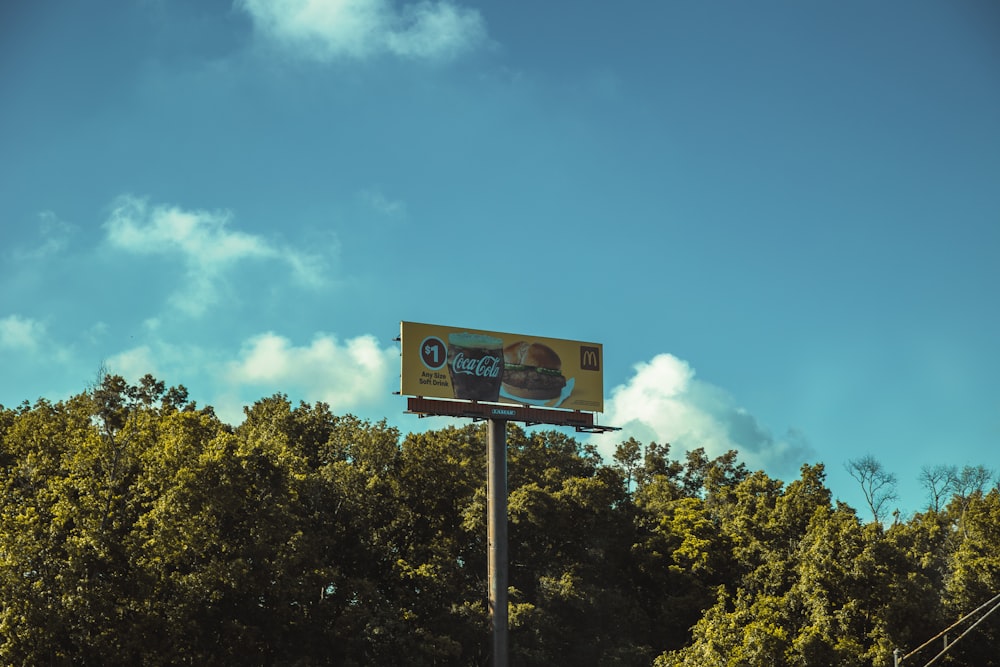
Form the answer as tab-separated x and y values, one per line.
590	358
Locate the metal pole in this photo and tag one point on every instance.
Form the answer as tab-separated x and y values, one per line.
496	492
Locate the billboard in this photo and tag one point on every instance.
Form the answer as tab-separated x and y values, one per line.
477	365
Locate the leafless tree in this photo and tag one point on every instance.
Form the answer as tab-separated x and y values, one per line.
938	480
878	485
970	480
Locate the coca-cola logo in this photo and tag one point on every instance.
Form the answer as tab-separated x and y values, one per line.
485	366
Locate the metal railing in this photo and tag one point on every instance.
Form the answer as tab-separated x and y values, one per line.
993	605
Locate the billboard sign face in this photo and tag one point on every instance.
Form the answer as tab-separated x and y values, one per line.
477	365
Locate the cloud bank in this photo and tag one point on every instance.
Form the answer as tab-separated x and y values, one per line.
349	375
205	244
665	402
344	375
327	30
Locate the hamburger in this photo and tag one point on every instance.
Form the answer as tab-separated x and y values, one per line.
532	371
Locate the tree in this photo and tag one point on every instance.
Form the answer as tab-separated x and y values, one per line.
970	480
974	577
627	456
877	484
571	572
75	483
810	586
938	481
136	528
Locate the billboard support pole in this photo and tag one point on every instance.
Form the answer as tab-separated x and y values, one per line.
496	492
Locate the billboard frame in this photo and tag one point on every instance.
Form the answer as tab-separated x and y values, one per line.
497	414
426	370
530	415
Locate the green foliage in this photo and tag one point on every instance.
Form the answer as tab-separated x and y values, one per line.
136	528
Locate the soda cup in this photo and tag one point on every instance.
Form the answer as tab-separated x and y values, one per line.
475	364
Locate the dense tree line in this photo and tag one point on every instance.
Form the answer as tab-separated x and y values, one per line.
137	528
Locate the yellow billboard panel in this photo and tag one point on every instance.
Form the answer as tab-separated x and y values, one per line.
477	365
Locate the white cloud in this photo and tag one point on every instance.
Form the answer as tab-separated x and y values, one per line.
30	339
351	375
54	238
326	30
344	375
381	204
665	402
206	244
172	363
95	332
21	333
133	364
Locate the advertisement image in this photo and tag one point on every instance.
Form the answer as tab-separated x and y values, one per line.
477	365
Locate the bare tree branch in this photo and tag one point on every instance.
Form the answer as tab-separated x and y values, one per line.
878	485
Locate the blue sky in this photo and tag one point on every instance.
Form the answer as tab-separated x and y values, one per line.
781	219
